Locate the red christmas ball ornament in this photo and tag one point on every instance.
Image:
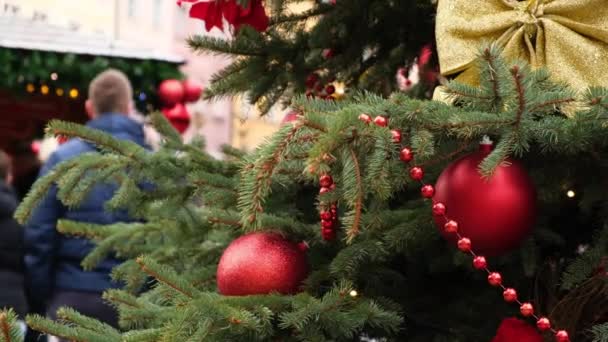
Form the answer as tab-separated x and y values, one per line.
562	336
326	181
192	90
171	92
178	116
62	139
516	330
365	118
35	146
327	224
450	227
328	234
464	244
497	213
427	191
324	190
290	117
416	173
381	121
330	89
526	309
311	80
495	279
510	295
439	209
543	324
406	155
327	53
396	135
479	262
261	263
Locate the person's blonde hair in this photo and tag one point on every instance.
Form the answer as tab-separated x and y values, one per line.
110	92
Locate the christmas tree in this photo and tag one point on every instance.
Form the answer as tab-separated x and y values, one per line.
373	217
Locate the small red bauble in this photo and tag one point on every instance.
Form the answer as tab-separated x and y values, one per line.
326	215
290	117
62	139
327	224
464	244
416	173
427	191
479	262
562	336
192	90
326	181
365	118
396	135
450	227
330	89
543	324
261	263
381	121
497	213
510	295
178	116
171	92
324	190
406	155
495	279
516	330
526	309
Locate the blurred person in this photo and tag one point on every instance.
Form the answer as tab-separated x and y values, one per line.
55	277
12	290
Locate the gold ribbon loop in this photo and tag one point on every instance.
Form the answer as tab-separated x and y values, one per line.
569	37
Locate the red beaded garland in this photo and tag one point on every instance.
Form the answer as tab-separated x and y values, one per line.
328	234
562	336
406	155
451	226
479	262
427	191
416	173
326	181
365	118
381	121
510	295
464	244
327	224
526	309
495	279
543	324
396	134
438	209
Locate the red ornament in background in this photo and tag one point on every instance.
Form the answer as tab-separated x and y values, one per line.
261	263
171	92
178	117
515	330
35	146
62	139
212	12
495	213
290	117
192	90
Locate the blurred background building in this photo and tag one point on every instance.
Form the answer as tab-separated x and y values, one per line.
137	29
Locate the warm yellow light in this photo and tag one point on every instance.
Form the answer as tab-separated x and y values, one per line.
44	90
354	293
74	93
59	92
30	88
570	194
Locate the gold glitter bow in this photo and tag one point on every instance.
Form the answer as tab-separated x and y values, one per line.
569	37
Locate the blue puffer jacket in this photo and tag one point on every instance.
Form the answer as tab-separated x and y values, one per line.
53	260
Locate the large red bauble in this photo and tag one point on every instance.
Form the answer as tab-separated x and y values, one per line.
171	92
261	263
178	116
495	213
192	90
